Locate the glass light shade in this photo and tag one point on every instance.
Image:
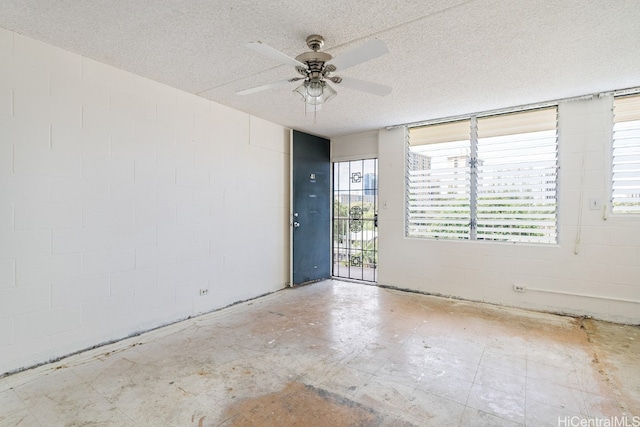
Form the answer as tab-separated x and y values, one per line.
328	93
315	89
302	91
315	92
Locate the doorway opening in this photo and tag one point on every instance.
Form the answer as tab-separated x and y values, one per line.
355	220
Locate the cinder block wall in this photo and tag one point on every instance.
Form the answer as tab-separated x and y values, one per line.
602	279
121	198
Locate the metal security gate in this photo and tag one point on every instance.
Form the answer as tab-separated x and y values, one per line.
355	212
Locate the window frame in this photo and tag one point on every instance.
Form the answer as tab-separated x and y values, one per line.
456	146
474	182
610	156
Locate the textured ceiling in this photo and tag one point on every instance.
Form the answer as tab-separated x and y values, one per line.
447	57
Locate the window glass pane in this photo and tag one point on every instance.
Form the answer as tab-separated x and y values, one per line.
494	181
438	181
517	177
625	194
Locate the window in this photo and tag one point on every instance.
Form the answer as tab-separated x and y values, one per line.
485	178
625	185
438	181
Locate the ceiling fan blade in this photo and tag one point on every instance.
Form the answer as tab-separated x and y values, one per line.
274	54
267	86
365	86
363	53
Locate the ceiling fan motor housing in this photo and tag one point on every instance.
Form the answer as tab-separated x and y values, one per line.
315	60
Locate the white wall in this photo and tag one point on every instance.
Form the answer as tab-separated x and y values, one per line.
354	147
121	198
607	265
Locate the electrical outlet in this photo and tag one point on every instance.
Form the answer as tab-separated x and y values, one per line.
204	292
519	288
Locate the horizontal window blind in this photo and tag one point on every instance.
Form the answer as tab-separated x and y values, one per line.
438	181
625	194
517	177
486	178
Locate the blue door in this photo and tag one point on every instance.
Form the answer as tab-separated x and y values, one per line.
311	208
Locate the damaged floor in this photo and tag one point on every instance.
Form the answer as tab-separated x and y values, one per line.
343	354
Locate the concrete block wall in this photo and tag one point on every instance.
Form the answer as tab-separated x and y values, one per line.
121	198
601	280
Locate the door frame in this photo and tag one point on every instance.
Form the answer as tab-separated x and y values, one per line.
290	283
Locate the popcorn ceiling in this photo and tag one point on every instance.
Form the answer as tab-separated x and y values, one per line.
448	57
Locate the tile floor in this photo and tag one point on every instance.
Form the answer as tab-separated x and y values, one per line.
343	354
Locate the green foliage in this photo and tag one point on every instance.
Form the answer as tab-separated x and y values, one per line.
342	233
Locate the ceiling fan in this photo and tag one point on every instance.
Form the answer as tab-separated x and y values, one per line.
316	69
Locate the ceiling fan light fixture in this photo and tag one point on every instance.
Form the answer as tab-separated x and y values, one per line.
315	89
328	92
316	68
315	92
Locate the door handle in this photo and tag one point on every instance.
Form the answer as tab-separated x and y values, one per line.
296	224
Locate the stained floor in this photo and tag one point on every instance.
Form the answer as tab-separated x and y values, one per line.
343	354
